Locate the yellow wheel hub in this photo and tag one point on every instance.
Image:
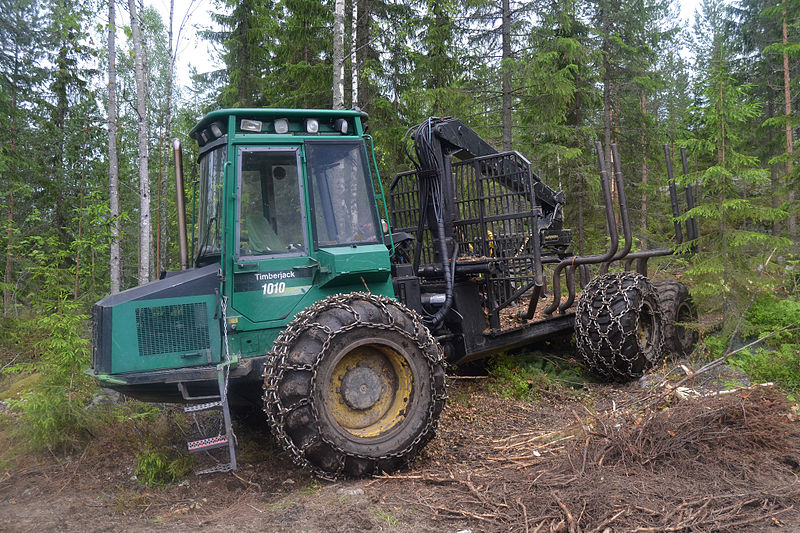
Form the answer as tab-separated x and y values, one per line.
644	331
369	390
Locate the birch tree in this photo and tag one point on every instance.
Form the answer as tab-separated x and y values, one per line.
144	173
338	55
113	161
162	203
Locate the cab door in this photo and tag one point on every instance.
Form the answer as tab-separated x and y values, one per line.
272	270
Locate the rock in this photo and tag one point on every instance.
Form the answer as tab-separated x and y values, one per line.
104	397
350	492
288	481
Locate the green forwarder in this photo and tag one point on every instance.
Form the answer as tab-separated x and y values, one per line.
301	297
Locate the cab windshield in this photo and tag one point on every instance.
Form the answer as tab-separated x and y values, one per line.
343	204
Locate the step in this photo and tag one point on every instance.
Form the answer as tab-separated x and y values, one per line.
227	467
207	444
202	407
188	398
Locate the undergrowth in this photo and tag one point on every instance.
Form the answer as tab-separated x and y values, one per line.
54	390
527	375
156	435
775	359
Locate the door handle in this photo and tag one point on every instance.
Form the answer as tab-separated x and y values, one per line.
246	267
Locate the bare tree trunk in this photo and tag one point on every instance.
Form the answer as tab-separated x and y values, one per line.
113	162
787	99
607	80
76	288
644	170
338	55
505	68
144	173
166	145
8	276
159	204
354	56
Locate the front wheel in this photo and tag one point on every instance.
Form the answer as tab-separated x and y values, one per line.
619	327
354	386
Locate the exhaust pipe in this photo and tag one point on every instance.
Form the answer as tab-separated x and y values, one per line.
180	203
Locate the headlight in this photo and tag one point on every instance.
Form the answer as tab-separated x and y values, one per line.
281	125
251	125
312	125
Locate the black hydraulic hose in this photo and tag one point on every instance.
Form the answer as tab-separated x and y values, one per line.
623	213
436	319
430	183
612	231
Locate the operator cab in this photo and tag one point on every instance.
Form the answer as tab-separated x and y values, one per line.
286	216
294	192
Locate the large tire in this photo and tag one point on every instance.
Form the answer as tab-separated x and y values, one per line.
679	312
618	326
354	386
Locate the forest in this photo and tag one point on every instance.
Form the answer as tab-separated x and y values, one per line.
90	105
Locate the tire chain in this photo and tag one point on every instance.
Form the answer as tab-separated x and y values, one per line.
607	289
277	365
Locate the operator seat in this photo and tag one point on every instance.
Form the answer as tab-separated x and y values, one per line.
262	237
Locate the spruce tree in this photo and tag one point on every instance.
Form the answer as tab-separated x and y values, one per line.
734	206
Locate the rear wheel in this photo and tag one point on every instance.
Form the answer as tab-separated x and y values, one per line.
618	326
355	386
680	314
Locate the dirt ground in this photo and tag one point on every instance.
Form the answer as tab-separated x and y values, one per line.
601	459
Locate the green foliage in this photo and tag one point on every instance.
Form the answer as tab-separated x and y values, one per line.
52	412
157	468
526	376
312	489
735	208
385	516
778	365
770	314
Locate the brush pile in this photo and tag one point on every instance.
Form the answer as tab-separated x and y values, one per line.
716	463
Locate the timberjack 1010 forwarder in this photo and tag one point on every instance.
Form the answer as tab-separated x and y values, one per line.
300	295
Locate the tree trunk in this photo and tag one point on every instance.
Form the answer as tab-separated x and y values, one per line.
607	79
354	56
644	170
505	69
787	99
144	174
76	288
338	55
8	275
113	162
166	145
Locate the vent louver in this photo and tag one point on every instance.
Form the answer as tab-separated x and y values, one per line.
172	329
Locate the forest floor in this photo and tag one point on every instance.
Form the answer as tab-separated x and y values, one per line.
605	458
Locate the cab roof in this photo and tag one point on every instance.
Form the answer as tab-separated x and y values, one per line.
269	114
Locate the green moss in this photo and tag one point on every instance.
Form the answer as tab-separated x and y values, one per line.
527	375
781	366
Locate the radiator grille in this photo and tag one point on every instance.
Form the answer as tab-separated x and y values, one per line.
172	329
